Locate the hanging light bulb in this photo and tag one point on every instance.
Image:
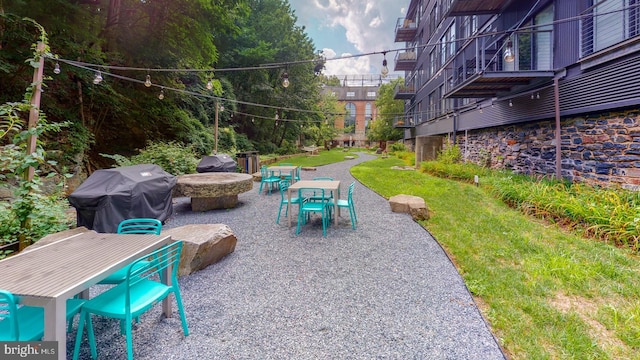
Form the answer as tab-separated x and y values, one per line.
209	85
285	80
385	70
98	79
277	117
147	82
253	120
161	96
221	107
537	95
508	51
56	69
510	103
532	96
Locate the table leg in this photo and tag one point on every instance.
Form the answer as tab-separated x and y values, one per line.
166	302
55	325
289	206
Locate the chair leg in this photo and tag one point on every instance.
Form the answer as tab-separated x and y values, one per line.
279	211
183	318
129	335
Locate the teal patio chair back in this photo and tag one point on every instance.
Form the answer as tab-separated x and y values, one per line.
326	197
348	203
132	226
141	290
26	323
296	175
268	179
140	226
308	205
284	199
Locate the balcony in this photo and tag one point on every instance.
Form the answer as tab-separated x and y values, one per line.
405	61
404	122
406	30
482	70
404	92
472	7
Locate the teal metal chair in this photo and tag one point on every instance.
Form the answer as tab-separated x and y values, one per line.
132	226
141	290
348	203
26	323
284	199
267	178
308	206
296	175
326	197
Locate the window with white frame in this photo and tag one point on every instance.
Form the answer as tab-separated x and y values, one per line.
609	23
350	116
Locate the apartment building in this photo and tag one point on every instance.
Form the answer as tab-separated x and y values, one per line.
359	105
548	87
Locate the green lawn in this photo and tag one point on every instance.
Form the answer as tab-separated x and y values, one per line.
324	157
547	293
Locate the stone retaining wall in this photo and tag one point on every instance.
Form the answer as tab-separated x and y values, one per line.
599	149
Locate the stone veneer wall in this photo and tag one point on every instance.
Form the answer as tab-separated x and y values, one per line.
601	149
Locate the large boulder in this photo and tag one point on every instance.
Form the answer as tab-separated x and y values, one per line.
413	205
203	245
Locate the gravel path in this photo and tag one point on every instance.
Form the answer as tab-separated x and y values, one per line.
384	291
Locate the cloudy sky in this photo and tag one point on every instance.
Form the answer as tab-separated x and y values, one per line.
351	27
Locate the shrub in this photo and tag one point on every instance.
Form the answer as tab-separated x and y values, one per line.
450	155
172	157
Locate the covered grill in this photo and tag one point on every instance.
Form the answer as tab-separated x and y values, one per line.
217	163
109	196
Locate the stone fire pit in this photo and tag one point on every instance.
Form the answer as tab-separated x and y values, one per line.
213	190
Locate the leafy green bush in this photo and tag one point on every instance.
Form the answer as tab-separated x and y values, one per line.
398	146
172	157
450	155
609	214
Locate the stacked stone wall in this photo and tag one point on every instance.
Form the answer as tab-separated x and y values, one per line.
602	149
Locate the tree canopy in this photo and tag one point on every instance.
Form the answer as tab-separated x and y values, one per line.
244	48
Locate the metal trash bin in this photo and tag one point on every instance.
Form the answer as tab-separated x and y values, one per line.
248	161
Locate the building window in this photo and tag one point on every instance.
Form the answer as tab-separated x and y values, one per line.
351	94
371	94
610	22
367	114
350	116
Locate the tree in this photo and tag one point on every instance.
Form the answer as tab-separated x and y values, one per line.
388	110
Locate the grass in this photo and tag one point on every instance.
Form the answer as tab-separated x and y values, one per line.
548	293
323	158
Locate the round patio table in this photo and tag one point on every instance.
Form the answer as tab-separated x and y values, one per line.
213	190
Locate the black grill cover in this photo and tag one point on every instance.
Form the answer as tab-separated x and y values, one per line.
109	196
217	163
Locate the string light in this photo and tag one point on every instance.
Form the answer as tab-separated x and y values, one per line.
98	79
385	70
285	80
147	82
161	96
510	103
56	69
209	85
508	51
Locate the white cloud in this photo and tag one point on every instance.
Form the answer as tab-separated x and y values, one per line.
368	26
348	66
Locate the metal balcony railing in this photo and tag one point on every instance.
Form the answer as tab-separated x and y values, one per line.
405	60
491	65
405	30
606	24
404	92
